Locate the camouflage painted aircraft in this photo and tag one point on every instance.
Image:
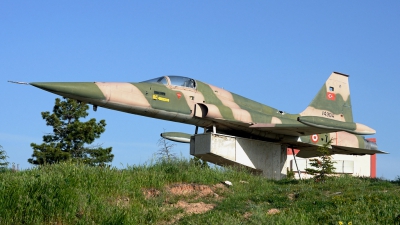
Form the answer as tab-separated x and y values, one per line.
185	100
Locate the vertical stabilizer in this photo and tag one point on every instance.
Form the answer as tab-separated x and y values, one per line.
333	100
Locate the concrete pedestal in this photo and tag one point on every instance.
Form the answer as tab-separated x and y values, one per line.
260	156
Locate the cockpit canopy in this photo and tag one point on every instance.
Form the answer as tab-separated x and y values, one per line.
174	81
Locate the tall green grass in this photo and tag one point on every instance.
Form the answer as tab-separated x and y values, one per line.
78	194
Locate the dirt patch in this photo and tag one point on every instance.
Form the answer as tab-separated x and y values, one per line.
198	190
195	208
122	201
291	197
183	189
194	192
247	215
151	193
273	211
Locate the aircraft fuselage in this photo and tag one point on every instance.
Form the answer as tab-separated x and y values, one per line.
185	100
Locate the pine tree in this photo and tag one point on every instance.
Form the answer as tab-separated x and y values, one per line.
70	136
324	166
3	158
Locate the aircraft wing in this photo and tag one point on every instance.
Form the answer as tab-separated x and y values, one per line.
290	129
355	151
308	151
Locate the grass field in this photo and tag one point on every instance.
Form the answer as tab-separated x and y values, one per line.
181	192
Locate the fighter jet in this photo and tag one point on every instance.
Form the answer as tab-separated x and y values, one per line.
182	99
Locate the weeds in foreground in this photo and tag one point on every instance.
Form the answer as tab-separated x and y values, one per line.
79	194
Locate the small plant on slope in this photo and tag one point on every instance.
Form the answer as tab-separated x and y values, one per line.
322	167
3	158
165	152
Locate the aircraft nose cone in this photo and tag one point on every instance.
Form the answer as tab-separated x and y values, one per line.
75	90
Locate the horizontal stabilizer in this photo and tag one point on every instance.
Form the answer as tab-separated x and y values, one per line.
329	124
355	151
311	151
177	136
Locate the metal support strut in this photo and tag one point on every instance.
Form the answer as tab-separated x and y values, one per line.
295	161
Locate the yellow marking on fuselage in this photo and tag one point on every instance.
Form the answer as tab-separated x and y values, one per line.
156	97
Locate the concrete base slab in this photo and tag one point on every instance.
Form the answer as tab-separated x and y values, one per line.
260	156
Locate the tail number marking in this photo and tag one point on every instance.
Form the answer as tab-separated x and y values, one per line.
328	114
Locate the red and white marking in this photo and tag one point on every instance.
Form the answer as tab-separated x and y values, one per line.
331	96
314	138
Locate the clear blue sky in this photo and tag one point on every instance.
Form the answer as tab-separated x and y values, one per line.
275	52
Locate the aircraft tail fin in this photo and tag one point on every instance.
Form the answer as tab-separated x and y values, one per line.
333	100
